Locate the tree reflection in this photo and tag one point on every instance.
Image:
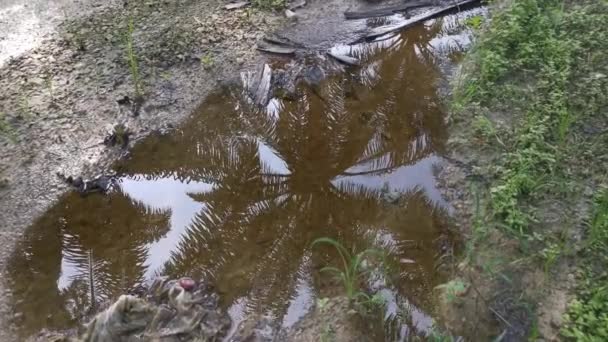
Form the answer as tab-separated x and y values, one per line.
320	165
82	248
307	168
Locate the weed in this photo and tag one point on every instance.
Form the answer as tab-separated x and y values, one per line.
587	316
207	61
5	128
48	81
453	290
132	59
328	333
598	227
550	254
24	107
437	335
353	270
474	22
322	303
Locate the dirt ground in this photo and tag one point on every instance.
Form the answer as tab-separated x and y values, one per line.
64	70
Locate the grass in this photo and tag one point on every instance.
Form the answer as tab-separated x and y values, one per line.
132	59
354	268
529	62
453	289
207	61
587	316
48	81
534	82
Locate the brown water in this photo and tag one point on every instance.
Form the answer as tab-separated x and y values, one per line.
237	195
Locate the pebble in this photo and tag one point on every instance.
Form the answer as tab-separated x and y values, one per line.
290	14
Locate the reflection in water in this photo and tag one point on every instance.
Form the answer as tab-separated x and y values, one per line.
238	194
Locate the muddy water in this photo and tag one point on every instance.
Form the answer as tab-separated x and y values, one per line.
237	195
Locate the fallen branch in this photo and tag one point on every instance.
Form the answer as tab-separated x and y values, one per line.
282	40
278	49
381	12
237	5
344	58
382	30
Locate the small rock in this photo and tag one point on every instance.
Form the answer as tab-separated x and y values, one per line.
18	316
290	14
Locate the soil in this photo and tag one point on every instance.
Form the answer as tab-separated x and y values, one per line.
65	84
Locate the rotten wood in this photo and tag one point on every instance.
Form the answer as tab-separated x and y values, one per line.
257	84
382	30
386	11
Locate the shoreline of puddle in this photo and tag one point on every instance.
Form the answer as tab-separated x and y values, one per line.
237	194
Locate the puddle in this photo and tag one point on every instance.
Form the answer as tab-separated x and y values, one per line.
237	196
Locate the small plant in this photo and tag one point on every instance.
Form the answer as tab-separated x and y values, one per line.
207	61
437	335
24	107
322	303
474	22
550	254
453	289
328	333
587	316
5	128
132	59
353	268
598	227
48	81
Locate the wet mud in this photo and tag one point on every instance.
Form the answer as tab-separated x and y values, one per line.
237	193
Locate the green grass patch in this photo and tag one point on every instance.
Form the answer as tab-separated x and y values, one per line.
542	62
532	104
587	317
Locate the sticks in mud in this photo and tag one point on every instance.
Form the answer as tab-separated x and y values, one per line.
382	30
381	12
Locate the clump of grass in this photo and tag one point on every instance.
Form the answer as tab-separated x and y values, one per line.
474	22
353	269
207	61
48	81
132	59
453	290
